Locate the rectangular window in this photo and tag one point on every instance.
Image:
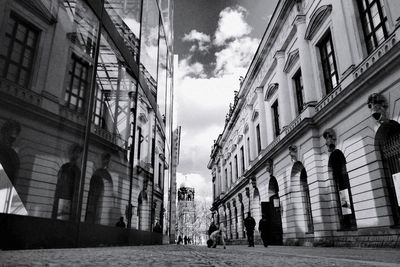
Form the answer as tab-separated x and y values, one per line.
298	83
18	50
140	140
242	157
226	179
275	113
160	174
374	22
78	84
248	150
98	107
230	172
236	168
258	138
328	62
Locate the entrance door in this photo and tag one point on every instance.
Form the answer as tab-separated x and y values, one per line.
273	213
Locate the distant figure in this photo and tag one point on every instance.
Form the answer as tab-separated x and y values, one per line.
121	223
185	240
250	224
157	228
179	240
212	228
263	229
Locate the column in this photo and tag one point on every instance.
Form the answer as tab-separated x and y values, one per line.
307	73
283	91
263	119
251	134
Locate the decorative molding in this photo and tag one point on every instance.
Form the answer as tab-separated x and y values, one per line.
240	137
293	153
254	116
269	166
330	139
378	105
272	88
292	59
253	181
318	17
40	10
233	147
240	196
246	128
142	118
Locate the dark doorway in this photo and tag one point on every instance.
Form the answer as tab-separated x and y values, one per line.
272	210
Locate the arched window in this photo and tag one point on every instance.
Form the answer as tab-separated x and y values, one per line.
95	196
388	141
305	193
337	165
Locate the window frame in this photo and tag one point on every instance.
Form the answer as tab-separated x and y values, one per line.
74	58
30	28
324	61
299	90
275	116
383	19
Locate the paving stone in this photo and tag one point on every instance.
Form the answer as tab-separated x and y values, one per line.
200	256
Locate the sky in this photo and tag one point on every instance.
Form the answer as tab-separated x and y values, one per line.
215	41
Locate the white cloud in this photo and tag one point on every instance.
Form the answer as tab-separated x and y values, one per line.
236	56
186	68
201	40
231	25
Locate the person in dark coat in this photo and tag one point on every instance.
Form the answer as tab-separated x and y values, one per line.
263	229
120	223
250	224
185	240
179	240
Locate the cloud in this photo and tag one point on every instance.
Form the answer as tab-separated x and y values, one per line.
231	25
200	39
236	56
188	69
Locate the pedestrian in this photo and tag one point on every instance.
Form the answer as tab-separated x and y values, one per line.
185	240
212	228
157	228
179	239
220	233
263	229
250	224
120	223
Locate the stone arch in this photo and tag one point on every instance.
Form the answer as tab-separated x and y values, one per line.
344	200
387	144
300	199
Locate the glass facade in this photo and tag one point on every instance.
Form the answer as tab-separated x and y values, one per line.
86	110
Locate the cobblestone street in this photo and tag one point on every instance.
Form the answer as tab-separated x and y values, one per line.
174	255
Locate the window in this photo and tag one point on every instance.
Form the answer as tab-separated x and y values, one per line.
98	108
18	50
298	83
226	178
230	171
258	138
328	62
140	140
160	174
305	192
236	168
248	150
242	157
275	114
78	84
373	22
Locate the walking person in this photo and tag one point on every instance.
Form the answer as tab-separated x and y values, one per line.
212	228
120	223
250	224
263	229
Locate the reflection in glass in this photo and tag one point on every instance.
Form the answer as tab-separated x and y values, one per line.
126	17
162	73
149	43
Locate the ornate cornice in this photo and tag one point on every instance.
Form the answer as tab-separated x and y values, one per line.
318	17
293	57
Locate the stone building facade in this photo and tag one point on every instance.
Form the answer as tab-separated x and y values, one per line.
86	111
312	138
